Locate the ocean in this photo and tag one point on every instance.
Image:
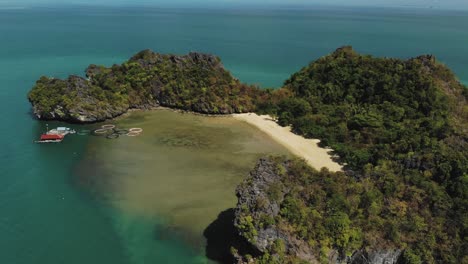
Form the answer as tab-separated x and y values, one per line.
47	214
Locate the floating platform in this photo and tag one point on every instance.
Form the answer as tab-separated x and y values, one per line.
55	135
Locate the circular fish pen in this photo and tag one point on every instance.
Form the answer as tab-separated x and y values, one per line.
112	136
101	131
108	126
136	130
133	134
112	132
120	131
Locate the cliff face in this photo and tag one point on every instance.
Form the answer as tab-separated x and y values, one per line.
261	218
72	100
259	201
196	82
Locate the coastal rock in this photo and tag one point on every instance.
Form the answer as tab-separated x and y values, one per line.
194	82
260	198
375	257
70	100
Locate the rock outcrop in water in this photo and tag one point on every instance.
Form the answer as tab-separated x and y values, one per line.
195	82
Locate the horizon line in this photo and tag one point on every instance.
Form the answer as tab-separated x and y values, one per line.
7	6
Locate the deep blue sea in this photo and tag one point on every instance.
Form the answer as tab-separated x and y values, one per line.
44	216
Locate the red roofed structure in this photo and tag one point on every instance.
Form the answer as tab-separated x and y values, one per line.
53	137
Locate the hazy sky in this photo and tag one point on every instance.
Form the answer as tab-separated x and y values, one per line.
445	4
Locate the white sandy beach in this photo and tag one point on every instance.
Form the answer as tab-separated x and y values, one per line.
307	149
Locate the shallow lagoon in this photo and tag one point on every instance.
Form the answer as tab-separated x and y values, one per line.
171	182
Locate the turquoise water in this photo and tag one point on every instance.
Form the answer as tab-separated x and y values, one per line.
45	217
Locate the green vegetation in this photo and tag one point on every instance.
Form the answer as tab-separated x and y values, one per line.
401	127
247	228
195	82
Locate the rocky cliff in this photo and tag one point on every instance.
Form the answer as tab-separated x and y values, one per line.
196	82
265	218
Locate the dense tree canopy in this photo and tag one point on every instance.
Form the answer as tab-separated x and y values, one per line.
195	82
401	127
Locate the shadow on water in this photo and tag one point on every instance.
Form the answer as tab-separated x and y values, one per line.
190	240
221	235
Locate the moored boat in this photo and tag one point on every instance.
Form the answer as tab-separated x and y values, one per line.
50	138
55	135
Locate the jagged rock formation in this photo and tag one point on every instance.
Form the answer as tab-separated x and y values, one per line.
196	82
259	201
261	218
375	257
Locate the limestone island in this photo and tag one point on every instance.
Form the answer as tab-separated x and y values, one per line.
398	127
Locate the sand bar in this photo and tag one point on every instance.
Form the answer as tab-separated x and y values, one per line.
307	149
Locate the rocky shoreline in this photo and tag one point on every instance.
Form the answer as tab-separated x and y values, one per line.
257	219
194	82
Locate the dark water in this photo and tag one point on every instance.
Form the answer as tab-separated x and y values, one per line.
45	215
